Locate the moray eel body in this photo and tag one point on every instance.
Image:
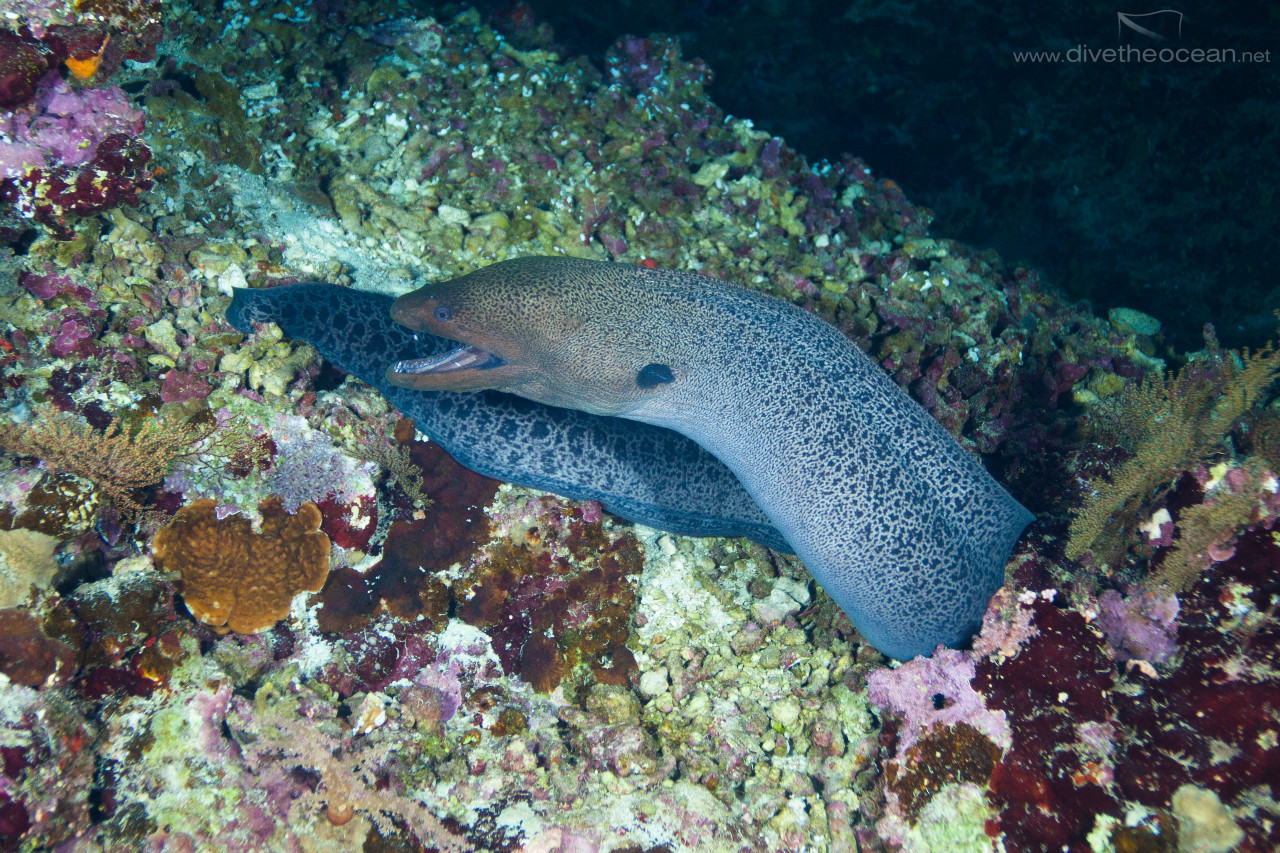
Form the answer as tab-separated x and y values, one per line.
640	472
905	530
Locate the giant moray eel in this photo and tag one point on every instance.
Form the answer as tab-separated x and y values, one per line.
906	531
640	472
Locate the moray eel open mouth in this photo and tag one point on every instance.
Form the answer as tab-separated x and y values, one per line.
463	358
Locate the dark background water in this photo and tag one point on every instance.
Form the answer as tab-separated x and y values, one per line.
1147	185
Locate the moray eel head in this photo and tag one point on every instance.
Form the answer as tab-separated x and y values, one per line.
543	328
482	361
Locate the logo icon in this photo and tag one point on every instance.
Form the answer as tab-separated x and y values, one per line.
1156	26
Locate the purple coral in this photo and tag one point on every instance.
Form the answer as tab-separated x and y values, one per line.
180	386
306	466
62	126
935	690
52	285
1142	626
70	152
309	467
74	337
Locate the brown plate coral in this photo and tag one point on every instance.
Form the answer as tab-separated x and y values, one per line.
236	579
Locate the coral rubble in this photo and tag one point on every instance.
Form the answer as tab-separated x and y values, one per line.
405	655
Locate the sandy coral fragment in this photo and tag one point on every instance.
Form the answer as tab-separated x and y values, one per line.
26	560
1205	825
237	578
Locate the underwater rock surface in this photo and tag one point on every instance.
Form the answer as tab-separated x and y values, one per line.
490	668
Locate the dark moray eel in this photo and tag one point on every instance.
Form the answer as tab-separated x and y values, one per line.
640	472
906	531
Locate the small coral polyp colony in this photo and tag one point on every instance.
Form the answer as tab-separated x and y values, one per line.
243	606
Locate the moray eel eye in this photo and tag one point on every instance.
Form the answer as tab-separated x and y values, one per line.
443	313
654	374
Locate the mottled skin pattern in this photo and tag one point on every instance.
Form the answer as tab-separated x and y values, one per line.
642	473
905	530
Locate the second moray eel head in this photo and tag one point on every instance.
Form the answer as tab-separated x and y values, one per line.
545	328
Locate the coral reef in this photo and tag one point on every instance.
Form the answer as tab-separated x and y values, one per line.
28	656
1095	740
265	455
109	31
491	668
555	594
1167	427
1142	626
64	127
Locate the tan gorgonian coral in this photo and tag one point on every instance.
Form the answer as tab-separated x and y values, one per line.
116	460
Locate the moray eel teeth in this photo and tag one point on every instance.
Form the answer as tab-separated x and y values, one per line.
463	358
